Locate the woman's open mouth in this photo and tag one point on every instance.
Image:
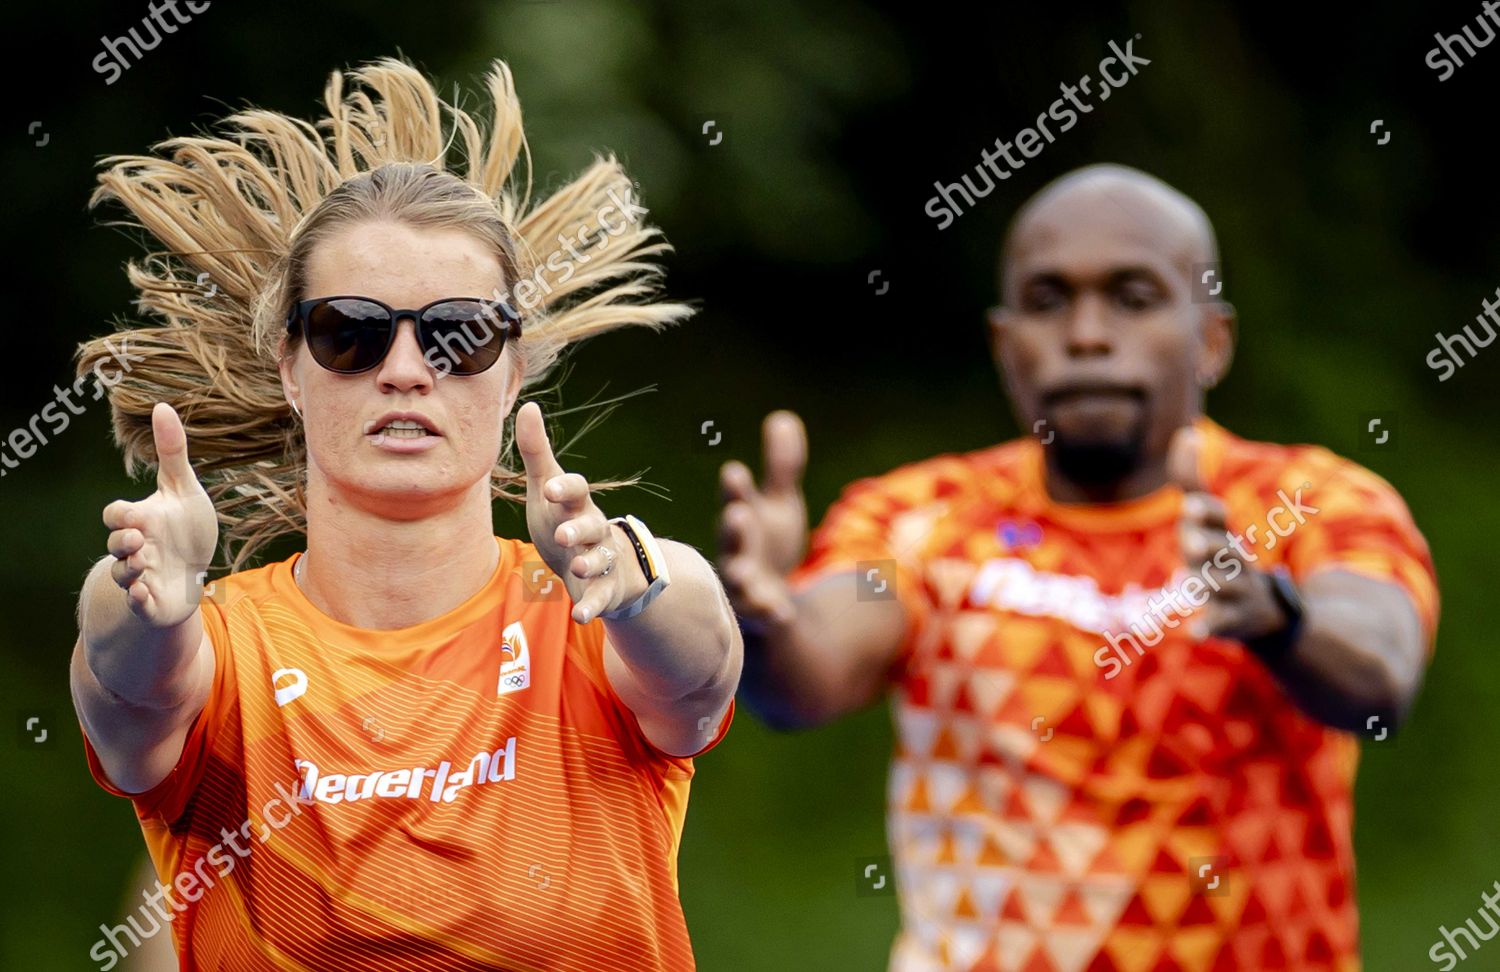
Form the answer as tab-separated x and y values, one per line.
403	429
402	432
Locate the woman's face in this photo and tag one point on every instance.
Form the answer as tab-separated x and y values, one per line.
401	475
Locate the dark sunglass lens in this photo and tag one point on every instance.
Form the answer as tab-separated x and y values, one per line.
348	335
462	336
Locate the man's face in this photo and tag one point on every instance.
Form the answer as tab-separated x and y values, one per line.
351	451
1100	342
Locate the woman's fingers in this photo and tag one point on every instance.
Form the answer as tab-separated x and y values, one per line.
582	531
592	562
534	446
593	601
123	543
158	541
126	572
121	514
174	473
570	490
140	598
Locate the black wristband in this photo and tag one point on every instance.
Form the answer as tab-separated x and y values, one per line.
1277	645
640	549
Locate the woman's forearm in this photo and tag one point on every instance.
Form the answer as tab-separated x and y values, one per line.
686	643
131	659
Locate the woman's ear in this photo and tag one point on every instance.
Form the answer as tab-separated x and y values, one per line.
289	385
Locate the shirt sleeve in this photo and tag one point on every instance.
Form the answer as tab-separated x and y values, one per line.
167	800
874	533
1361	525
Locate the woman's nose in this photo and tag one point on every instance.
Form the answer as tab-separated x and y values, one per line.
405	368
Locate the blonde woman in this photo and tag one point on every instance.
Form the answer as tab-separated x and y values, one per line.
415	745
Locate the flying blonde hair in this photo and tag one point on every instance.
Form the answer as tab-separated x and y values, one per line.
237	215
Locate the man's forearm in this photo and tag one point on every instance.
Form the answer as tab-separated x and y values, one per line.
833	656
771	684
1357	662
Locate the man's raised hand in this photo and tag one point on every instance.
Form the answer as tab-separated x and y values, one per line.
1243	605
163	543
763	530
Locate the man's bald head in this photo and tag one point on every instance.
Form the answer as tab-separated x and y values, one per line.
1112	198
1103	334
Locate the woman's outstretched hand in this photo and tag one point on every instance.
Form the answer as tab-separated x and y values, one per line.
569	531
163	543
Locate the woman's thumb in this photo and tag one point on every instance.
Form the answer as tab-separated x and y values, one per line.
173	471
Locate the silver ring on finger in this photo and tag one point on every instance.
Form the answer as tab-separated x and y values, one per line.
609	559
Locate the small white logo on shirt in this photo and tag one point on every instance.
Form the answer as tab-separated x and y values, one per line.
291	690
515	660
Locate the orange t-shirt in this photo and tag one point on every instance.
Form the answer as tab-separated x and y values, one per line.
1078	784
465	793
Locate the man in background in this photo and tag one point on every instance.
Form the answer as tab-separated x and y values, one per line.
1125	654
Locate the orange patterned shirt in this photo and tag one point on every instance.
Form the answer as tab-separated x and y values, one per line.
466	793
1078	785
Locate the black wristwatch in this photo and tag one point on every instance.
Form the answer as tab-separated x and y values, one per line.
1277	645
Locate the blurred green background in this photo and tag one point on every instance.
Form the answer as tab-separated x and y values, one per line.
1343	256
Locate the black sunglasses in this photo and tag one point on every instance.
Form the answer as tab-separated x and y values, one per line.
458	335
